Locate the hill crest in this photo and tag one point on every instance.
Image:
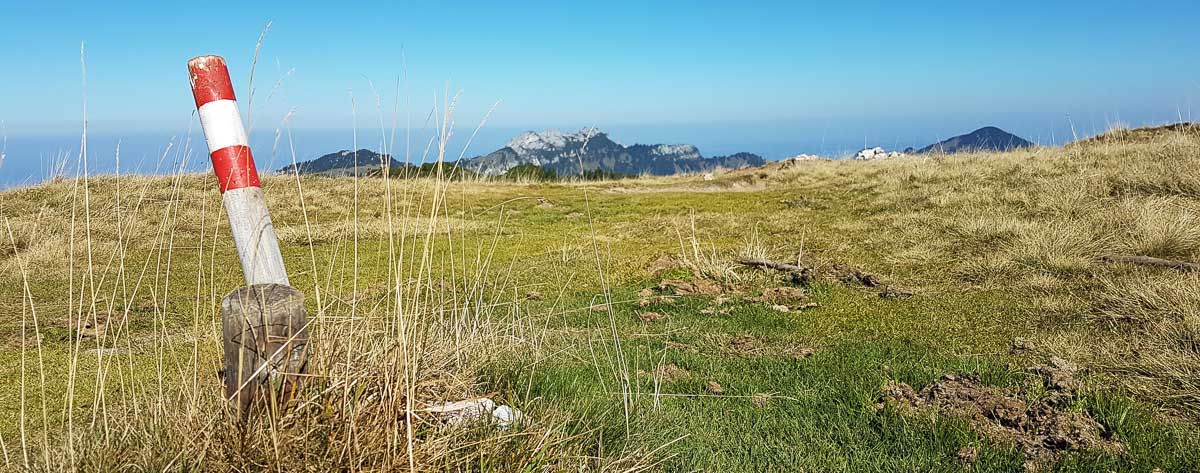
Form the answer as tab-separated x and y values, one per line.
988	138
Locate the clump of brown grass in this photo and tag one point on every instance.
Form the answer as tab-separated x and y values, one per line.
1157	226
1058	247
704	263
1163	313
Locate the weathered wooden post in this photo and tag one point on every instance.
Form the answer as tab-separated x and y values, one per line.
265	333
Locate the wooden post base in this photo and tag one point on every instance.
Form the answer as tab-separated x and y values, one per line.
266	343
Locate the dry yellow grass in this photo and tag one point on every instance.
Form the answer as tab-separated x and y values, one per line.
110	288
1038	220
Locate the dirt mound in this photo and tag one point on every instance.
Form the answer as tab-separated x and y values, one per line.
784	299
651	316
850	275
1059	377
798	352
663	264
648	297
747	346
783	294
1021	345
720	305
715	311
803	274
681	346
672	372
794	308
1043	429
102	324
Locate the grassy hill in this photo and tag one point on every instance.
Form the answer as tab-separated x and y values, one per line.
957	312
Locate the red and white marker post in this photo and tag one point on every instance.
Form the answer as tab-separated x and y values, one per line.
265	333
237	178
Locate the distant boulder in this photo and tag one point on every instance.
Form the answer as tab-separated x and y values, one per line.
876	153
988	138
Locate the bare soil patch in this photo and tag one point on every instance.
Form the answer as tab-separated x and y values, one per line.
799	352
648	296
803	274
748	346
668	373
1044	429
745	345
651	316
99	326
663	264
783	294
681	346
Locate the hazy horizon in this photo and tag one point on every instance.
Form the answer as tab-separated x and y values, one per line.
30	157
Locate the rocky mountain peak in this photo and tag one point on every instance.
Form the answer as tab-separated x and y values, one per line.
566	154
551	140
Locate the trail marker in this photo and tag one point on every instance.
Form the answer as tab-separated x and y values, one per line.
264	327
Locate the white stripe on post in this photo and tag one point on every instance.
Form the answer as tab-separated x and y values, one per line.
233	163
222	123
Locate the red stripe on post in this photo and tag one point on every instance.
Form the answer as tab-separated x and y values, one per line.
234	166
210	79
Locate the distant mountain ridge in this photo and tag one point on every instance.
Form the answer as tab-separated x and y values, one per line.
988	138
342	163
591	151
565	153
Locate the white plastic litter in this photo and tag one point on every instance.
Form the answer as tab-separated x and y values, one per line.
506	416
477	410
461	412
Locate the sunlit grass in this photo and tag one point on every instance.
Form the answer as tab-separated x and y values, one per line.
423	294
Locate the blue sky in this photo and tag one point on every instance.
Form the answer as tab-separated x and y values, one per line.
786	75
